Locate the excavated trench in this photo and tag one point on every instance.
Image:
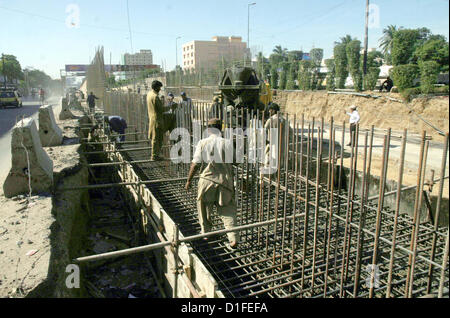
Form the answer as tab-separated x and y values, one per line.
114	226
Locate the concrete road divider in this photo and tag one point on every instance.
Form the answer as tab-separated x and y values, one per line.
65	110
49	132
31	166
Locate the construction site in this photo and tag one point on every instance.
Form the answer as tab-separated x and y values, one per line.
333	221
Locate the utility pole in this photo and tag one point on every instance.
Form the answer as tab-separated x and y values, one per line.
366	39
176	51
248	30
3	70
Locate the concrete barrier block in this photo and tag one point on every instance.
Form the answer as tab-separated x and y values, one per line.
49	132
65	111
25	136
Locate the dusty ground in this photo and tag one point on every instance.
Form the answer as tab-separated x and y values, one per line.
381	113
25	228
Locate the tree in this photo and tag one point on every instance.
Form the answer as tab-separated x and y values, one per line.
263	65
434	49
331	75
283	75
353	49
386	41
344	40
13	70
37	78
340	61
371	78
429	71
280	51
404	75
292	75
294	56
316	55
374	59
274	77
305	75
404	45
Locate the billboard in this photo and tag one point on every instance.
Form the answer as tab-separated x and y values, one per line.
76	68
110	68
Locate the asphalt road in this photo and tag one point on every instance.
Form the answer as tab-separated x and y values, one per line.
8	118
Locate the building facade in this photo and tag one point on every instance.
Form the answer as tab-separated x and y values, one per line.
144	57
208	54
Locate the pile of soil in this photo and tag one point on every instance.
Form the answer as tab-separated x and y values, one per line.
381	112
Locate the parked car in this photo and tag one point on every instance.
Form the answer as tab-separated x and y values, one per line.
10	98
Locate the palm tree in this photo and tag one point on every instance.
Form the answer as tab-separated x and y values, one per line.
345	40
387	39
279	50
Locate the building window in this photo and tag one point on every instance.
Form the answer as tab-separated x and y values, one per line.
192	47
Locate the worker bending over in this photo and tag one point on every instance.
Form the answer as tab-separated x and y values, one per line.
118	125
155	109
215	186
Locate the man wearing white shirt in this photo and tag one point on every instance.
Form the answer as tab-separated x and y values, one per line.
354	121
215	185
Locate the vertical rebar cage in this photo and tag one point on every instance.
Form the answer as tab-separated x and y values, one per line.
341	227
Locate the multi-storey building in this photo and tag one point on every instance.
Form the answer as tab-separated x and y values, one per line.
206	54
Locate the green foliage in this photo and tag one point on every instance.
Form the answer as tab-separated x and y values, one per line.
292	75
404	44
340	60
283	75
404	75
409	93
353	49
316	56
429	71
37	78
263	66
13	70
434	49
294	56
331	75
371	78
387	39
274	77
305	75
441	89
374	59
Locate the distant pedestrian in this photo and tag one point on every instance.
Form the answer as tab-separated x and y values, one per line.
354	121
155	108
186	102
91	102
387	84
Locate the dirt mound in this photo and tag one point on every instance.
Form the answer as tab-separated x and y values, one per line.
381	112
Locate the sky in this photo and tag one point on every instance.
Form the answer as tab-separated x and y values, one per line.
47	34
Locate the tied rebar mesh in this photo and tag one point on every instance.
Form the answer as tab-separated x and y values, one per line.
342	241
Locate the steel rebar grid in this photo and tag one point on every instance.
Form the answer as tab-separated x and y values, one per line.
265	266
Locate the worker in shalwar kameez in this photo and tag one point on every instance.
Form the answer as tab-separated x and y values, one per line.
155	109
214	157
273	158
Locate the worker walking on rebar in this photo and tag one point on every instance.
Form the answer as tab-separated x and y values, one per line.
91	102
214	157
155	109
354	121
